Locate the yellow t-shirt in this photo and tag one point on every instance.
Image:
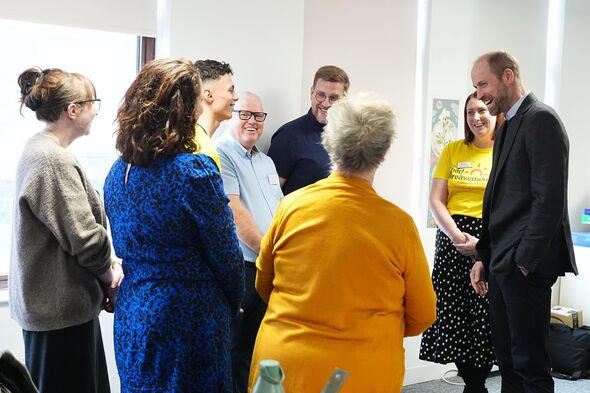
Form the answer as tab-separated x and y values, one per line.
466	169
206	145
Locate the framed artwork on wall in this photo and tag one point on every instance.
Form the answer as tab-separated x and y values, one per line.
445	126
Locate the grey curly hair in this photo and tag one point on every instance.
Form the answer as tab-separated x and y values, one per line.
359	132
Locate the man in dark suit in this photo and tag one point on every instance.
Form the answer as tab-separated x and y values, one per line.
526	241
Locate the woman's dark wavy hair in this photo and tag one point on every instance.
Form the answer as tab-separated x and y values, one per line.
159	111
469	135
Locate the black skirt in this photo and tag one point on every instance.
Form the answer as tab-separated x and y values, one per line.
461	332
69	360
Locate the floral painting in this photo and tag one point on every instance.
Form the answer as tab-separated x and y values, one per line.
445	126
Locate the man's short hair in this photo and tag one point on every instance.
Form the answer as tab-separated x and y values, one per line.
332	73
245	94
212	69
498	61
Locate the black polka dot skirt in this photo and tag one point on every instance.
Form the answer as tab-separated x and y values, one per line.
461	333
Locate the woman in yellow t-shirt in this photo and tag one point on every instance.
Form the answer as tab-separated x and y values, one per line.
461	333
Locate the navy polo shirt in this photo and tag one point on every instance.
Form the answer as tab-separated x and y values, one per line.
297	151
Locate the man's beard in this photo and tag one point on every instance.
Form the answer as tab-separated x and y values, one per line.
502	101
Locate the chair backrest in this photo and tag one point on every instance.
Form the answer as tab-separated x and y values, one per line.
14	377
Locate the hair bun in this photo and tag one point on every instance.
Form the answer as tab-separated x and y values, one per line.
27	80
33	104
26	88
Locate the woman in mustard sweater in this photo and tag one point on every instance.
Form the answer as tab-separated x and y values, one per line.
342	269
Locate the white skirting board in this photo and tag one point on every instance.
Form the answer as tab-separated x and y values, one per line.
425	372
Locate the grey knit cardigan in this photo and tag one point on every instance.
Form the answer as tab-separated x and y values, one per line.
59	244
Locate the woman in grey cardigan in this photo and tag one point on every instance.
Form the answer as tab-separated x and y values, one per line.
61	272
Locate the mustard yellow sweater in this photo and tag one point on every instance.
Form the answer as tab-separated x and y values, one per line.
346	279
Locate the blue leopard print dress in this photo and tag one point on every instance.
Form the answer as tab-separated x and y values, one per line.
173	229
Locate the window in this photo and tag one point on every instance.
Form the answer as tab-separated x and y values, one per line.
109	60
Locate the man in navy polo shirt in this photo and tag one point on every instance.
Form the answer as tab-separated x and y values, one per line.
296	147
251	183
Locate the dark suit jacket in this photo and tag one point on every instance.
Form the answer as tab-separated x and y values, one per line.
525	218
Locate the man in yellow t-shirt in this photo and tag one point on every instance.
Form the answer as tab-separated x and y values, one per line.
218	97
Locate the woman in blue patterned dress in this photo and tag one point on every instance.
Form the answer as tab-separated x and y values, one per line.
174	231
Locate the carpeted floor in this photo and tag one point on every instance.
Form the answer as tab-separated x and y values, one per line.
493	385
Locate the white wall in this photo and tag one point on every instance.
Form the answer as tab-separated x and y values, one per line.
574	291
461	30
575	80
261	40
519	27
376	46
129	16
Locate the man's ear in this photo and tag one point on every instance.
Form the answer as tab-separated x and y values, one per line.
207	96
508	76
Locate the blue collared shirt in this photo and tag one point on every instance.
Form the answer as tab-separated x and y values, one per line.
512	111
254	178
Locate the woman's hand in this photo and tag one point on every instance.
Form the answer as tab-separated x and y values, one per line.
467	247
457	237
110	298
111	289
118	275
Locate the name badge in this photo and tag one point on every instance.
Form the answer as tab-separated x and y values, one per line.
462	165
273	179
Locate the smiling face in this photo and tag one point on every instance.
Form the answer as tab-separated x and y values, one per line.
480	120
323	95
223	95
493	91
247	132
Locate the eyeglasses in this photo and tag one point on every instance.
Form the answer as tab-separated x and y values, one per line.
95	103
321	97
246	115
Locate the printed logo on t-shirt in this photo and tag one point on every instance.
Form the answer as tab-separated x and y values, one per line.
470	177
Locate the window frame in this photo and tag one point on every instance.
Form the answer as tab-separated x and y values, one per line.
146	52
